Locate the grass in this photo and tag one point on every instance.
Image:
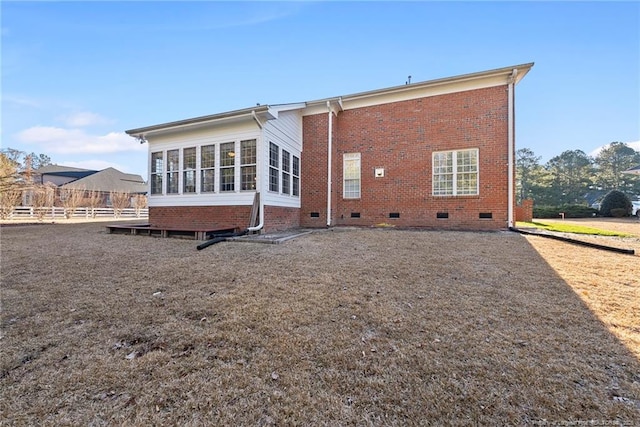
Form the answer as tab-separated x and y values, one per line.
343	327
572	228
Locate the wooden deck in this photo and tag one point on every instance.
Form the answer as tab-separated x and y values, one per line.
148	230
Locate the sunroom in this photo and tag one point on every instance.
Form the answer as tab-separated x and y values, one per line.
205	172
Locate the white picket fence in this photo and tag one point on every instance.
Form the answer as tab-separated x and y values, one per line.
26	212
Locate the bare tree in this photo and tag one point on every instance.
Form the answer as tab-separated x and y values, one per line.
43	198
119	200
139	203
94	200
71	199
9	199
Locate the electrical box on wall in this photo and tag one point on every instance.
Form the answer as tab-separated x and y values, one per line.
379	173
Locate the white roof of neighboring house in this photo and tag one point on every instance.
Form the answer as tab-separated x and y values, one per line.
110	179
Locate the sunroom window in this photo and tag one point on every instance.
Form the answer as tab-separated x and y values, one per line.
157	170
248	164
189	170
173	168
227	166
207	168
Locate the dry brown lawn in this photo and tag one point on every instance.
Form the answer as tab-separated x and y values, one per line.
340	327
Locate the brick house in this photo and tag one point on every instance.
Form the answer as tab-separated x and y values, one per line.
434	154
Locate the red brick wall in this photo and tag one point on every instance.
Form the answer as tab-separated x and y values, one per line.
524	211
280	218
313	164
401	137
221	217
200	217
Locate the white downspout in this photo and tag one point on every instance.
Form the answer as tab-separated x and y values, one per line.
261	209
511	149
261	223
329	144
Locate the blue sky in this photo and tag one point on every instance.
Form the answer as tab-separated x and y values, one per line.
76	75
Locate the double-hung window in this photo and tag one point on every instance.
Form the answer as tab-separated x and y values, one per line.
173	168
248	164
274	165
157	171
189	170
351	175
207	168
227	166
455	173
296	176
286	172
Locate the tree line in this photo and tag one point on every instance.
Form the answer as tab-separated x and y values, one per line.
575	178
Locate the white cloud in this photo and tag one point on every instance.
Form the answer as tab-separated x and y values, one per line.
22	101
635	145
77	141
85	118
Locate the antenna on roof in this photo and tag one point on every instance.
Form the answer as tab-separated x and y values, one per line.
408	82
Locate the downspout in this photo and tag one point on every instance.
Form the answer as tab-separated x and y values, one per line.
261	223
261	209
511	148
329	144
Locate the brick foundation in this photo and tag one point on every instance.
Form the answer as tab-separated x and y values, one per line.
221	217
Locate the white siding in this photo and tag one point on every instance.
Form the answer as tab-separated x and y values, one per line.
286	133
234	132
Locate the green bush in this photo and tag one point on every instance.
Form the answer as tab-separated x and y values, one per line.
615	200
619	212
570	211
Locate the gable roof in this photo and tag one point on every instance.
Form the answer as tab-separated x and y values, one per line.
110	179
59	170
500	76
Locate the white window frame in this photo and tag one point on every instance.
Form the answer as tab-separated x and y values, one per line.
351	176
274	168
189	171
157	170
172	170
209	169
248	164
455	172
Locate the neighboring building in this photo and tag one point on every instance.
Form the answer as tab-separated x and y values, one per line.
59	175
432	154
104	181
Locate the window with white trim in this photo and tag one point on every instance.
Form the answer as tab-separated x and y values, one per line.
173	168
286	172
227	166
351	175
455	173
207	168
248	164
189	170
296	176
157	170
274	165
